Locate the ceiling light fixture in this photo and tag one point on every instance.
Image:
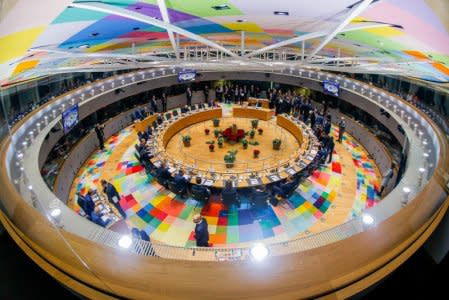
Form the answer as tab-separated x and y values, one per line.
259	252
281	13
221	7
241	21
85	46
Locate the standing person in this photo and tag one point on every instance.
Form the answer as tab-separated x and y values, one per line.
201	231
189	96
164	102
386	178
206	94
153	104
113	196
100	135
341	129
330	148
312	119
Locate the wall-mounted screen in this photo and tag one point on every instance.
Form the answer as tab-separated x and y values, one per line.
331	88
70	118
186	75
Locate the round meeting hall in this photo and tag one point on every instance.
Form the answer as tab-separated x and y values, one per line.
222	150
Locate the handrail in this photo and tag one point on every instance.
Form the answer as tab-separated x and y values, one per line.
353	258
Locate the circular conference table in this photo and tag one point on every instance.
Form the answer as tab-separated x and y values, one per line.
291	164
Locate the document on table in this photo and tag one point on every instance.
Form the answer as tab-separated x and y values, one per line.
208	182
274	177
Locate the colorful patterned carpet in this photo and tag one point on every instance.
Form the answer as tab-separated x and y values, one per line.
168	219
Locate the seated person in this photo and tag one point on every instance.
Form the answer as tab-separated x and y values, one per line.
142	145
184	109
87	203
258	103
163	175
138	115
321	155
200	190
229	193
159	120
175	112
181	183
142	135
96	217
149	131
284	189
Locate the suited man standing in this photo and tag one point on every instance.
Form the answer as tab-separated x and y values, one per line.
113	196
189	96
201	231
100	135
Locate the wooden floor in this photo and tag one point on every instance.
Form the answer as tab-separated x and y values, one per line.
199	154
169	217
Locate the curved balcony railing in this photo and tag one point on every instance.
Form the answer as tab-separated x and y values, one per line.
422	145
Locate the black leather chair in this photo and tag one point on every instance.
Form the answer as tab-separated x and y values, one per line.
230	197
174	189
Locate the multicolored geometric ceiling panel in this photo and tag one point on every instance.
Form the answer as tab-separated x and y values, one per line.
404	37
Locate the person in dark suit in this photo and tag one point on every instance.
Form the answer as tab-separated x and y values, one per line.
201	231
284	189
100	135
164	102
163	175
95	217
181	183
153	104
142	135
113	196
312	118
200	190
189	96
229	193
330	148
86	202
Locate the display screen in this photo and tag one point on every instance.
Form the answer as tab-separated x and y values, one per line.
331	88
70	118
186	75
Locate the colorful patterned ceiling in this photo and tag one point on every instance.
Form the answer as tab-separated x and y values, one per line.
41	37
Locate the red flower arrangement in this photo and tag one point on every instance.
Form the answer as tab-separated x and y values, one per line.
206	131
256	153
260	130
232	134
211	147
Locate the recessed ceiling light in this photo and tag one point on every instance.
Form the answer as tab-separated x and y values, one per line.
94	34
241	20
136	28
281	13
137	7
84	46
221	7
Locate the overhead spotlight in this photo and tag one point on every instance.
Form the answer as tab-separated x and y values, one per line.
30	187
241	21
281	13
221	7
367	219
259	252
85	46
125	242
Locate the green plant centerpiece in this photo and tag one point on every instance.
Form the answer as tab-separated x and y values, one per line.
217	132
216	122
252	133
229	158
220	141
254	123
277	144
186	140
245	143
